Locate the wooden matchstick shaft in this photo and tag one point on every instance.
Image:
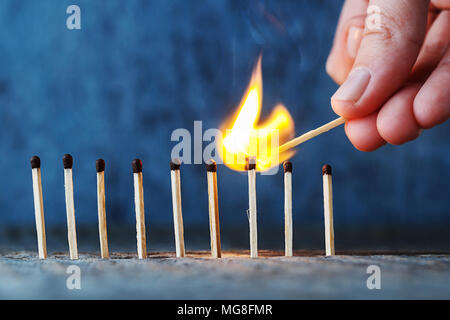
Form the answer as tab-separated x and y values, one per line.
311	134
328	210
139	207
213	201
39	207
177	212
70	207
102	229
288	209
252	211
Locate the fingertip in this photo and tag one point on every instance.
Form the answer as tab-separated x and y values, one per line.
396	123
363	133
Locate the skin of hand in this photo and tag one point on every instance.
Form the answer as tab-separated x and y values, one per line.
391	59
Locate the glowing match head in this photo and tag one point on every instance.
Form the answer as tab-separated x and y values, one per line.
35	162
137	165
326	169
287	165
175	164
211	166
100	165
67	161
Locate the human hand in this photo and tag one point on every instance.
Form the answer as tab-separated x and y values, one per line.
394	69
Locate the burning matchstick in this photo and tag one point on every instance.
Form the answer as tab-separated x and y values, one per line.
251	168
311	134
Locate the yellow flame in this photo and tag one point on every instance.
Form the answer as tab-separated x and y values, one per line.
244	137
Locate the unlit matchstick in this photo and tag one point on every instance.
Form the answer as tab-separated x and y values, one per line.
214	228
70	208
38	206
328	210
251	168
176	203
102	230
311	134
287	165
139	207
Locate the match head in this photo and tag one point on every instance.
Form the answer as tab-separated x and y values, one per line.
137	165
175	164
251	163
35	162
67	161
211	166
100	165
287	165
326	169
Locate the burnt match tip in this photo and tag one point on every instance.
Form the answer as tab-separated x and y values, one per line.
137	165
287	165
175	164
211	166
326	169
250	163
100	165
67	161
35	162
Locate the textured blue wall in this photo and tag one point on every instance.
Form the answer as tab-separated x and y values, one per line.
140	69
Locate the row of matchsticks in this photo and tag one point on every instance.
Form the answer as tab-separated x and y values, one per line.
211	169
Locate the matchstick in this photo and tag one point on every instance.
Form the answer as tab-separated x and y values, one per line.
251	168
139	205
176	203
214	228
311	134
328	210
102	230
38	206
70	208
287	165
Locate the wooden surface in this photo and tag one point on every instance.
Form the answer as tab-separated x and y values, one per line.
307	275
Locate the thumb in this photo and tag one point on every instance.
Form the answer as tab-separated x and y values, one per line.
393	34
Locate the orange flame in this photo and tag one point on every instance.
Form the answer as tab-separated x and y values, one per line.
244	137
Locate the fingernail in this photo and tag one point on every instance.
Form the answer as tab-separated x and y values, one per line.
354	86
354	38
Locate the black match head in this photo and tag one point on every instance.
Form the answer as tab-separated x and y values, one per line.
67	161
211	166
326	169
250	163
287	165
175	164
35	162
100	165
137	165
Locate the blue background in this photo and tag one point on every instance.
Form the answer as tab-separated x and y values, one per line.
137	70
